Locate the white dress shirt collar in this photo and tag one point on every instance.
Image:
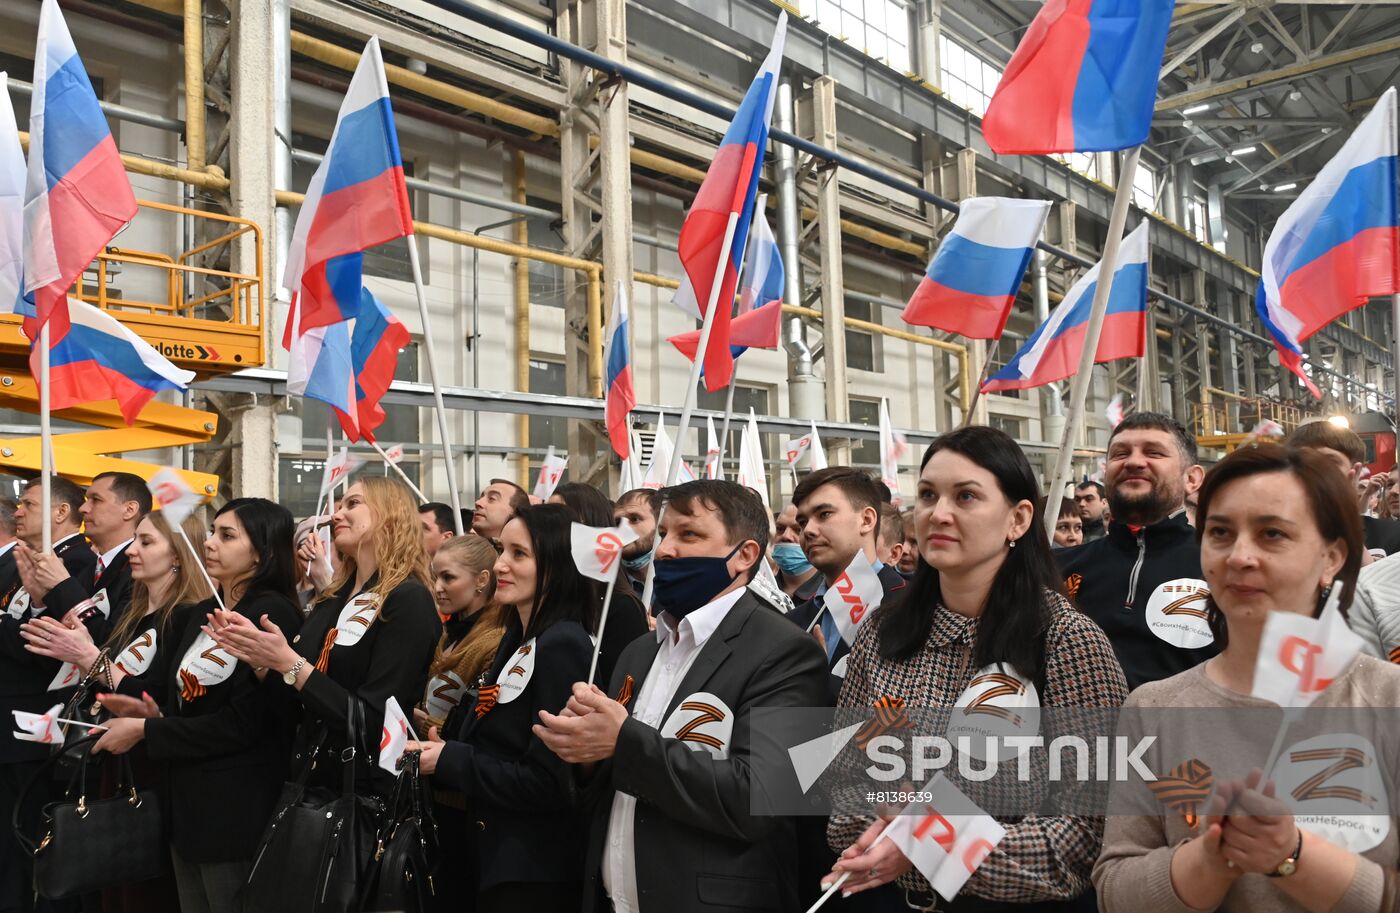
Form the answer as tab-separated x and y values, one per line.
702	622
108	557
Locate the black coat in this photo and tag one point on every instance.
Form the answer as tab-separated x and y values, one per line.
115	580
699	843
891	581
520	794
9	577
226	750
390	659
1382	535
627	620
1114	579
25	678
148	657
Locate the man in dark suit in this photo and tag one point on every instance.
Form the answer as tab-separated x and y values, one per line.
671	765
113	506
9	572
28	681
838	511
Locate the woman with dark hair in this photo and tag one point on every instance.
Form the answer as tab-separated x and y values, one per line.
984	601
627	617
528	843
370	635
1279	532
223	735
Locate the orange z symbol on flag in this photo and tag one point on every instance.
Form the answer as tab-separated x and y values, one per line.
1006	686
167	493
846	588
708	713
607	547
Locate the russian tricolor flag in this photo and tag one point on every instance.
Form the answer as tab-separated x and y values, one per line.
1083	79
759	320
357	199
620	397
11	207
729	191
972	281
77	195
99	358
1052	352
1338	244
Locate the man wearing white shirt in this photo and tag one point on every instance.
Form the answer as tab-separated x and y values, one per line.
674	826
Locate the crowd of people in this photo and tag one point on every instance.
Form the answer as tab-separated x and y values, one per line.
556	790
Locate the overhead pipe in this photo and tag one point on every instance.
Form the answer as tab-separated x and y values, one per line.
194	84
794	331
522	315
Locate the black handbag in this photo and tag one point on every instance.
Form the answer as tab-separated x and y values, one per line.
91	844
315	854
406	848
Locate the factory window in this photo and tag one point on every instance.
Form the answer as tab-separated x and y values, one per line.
880	28
1200	225
967	79
548	430
1086	163
548	282
1145	187
862	348
865	451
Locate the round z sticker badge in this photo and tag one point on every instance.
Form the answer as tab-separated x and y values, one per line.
355	619
515	675
1176	613
1336	789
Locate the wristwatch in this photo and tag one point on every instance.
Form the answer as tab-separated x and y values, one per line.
290	676
1290	863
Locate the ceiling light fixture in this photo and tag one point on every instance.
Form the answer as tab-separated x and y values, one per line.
1196	109
1282	187
1243	150
1257	47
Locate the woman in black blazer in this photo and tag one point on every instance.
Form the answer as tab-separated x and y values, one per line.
370	635
528	844
223	734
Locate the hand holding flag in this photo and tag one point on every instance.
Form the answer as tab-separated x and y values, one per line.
39	727
393	740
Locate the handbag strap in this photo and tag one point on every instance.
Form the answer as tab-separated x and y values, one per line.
43	771
354	743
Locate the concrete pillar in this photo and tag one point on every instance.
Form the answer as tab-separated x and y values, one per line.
254	432
1198	298
838	405
590	186
976	348
930	26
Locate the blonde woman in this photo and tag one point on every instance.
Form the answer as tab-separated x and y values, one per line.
166	582
370	635
465	587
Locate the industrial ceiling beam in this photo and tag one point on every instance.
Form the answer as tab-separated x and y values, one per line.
1282	74
1202	40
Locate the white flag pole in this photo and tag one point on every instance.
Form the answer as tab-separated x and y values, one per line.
46	461
390	464
1079	389
603	619
214	587
438	406
836	885
688	407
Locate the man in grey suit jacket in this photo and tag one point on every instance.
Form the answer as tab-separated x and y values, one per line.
670	762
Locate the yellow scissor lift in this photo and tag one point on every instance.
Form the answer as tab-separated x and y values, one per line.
204	319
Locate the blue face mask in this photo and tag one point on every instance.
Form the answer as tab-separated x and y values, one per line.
639	562
790	559
682	585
